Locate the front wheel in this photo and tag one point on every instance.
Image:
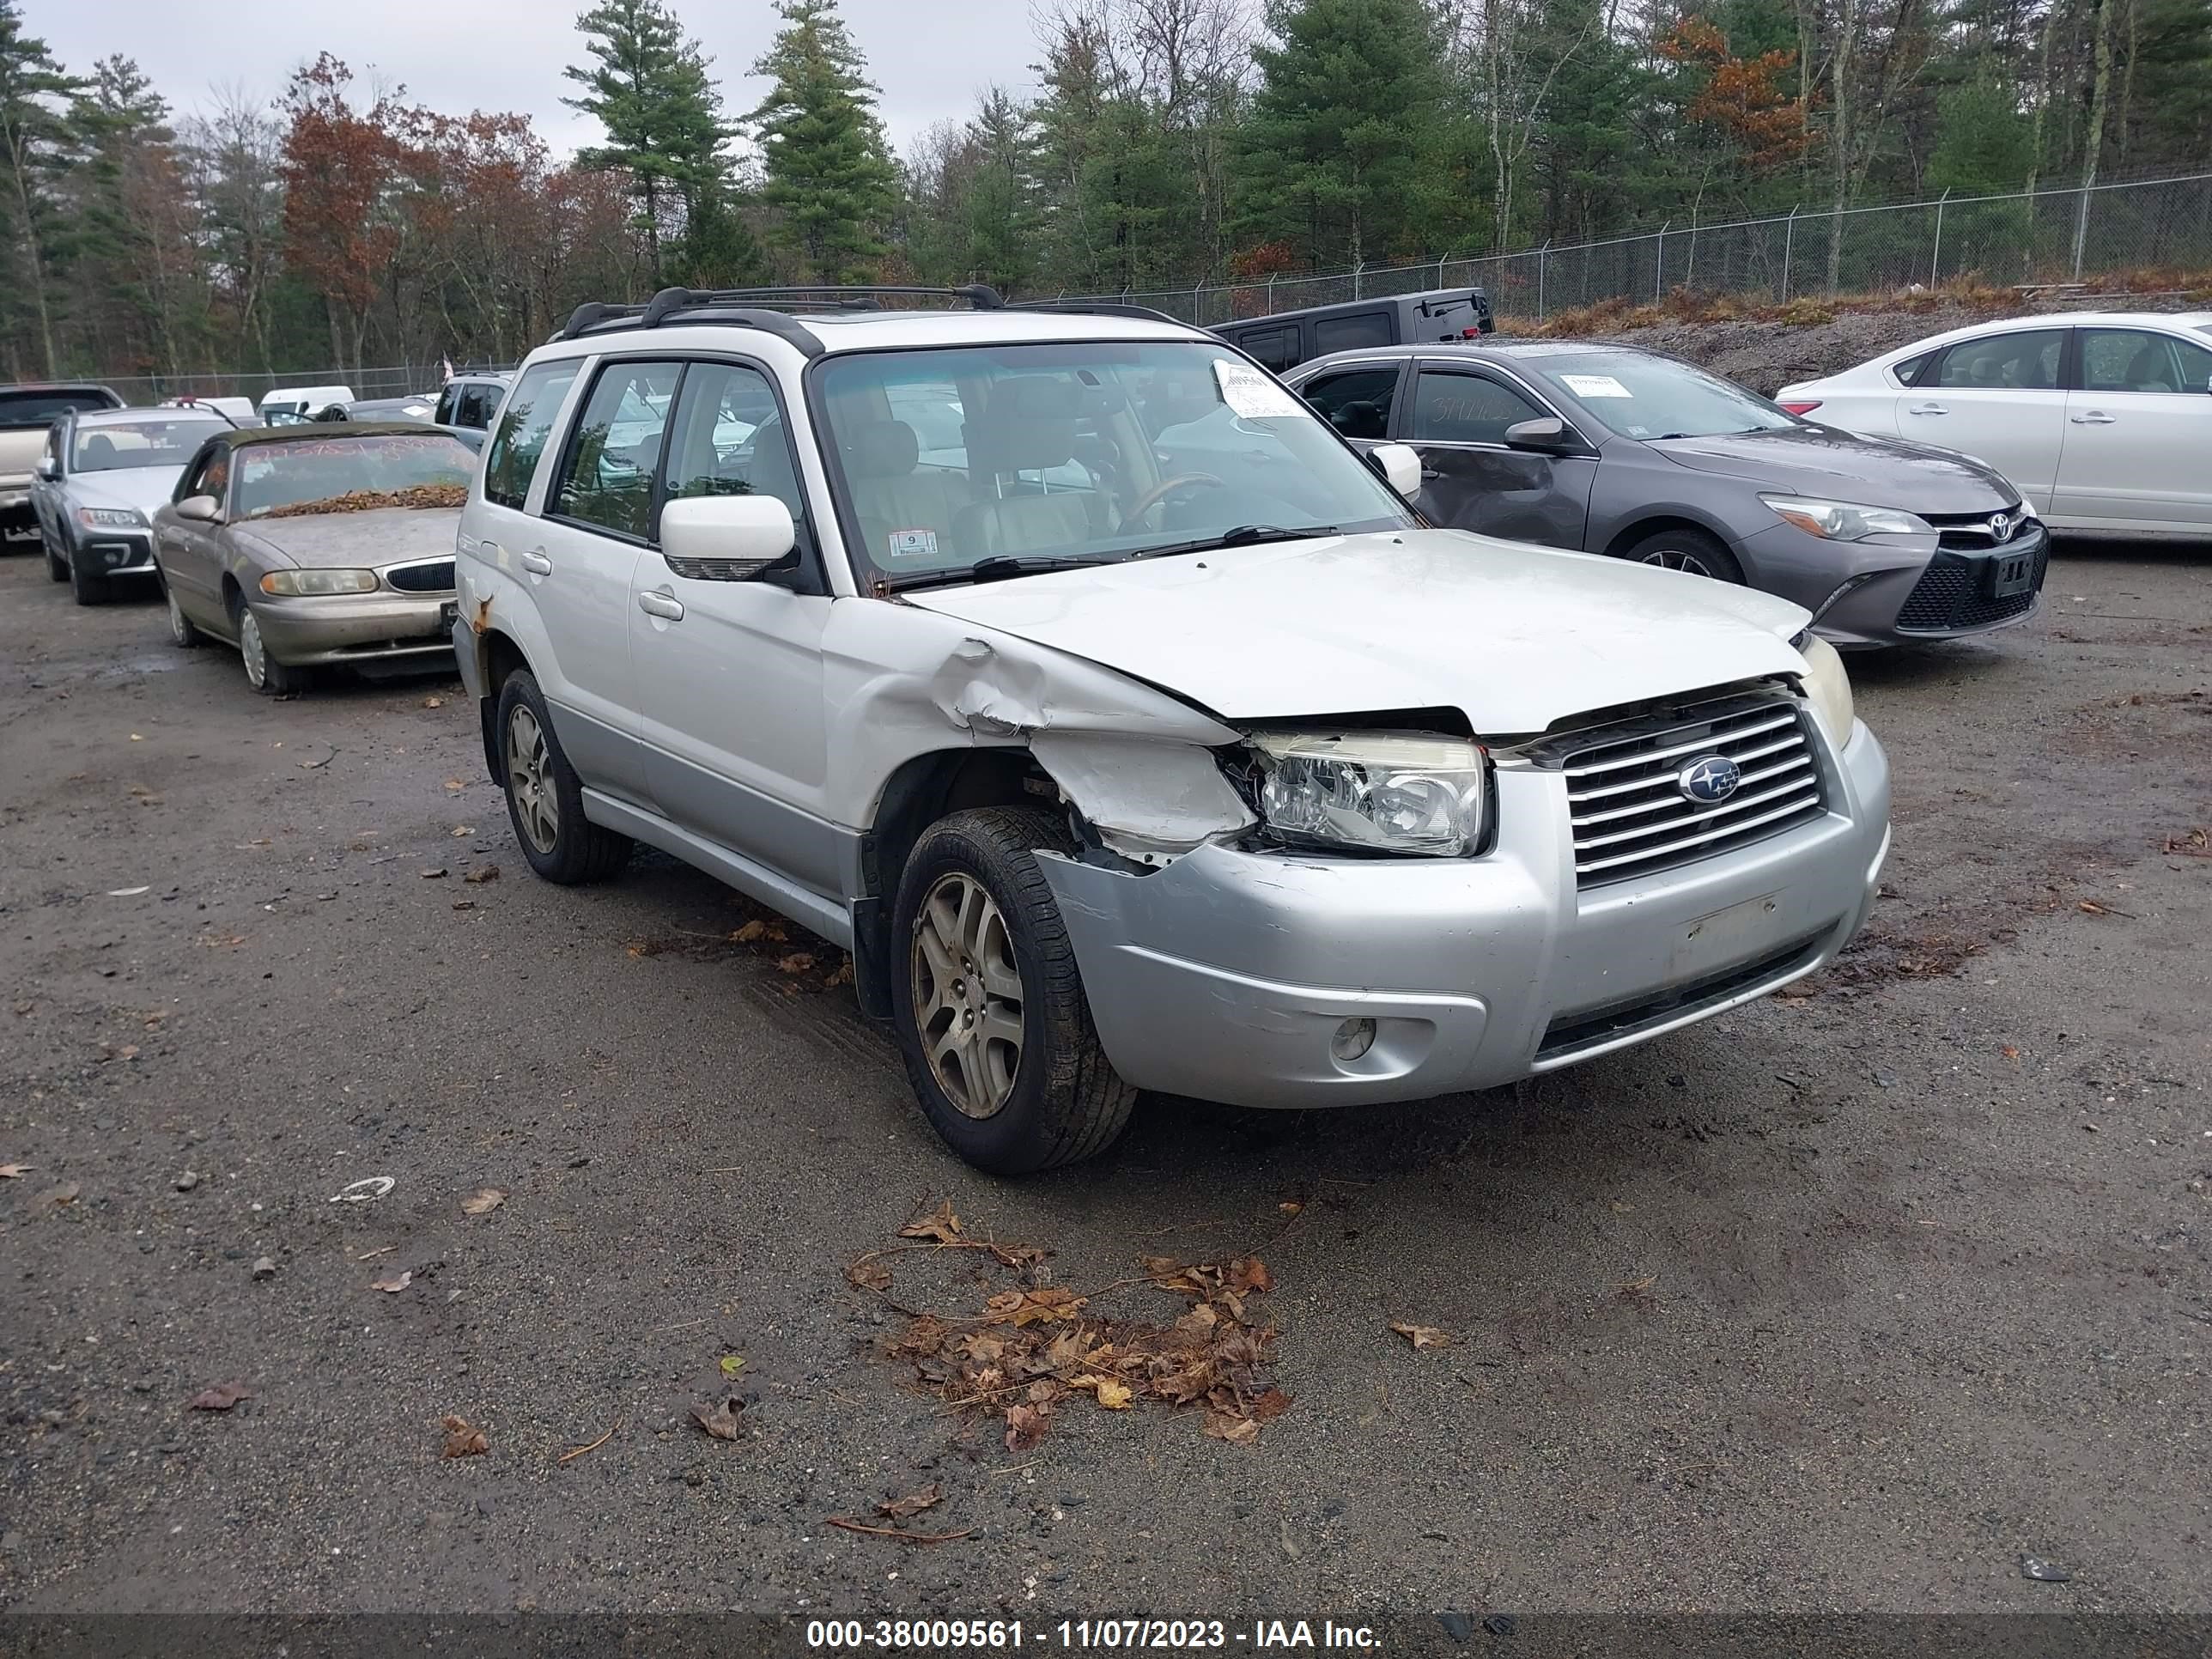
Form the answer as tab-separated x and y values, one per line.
57	567
990	1006
87	586
263	672
544	796
1689	550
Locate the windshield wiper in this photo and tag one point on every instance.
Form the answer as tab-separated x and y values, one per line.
1244	535
997	568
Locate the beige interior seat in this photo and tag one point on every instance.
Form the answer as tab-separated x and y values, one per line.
890	494
1029	427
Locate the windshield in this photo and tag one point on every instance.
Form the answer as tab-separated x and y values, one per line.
280	476
44	407
1641	396
1079	452
140	443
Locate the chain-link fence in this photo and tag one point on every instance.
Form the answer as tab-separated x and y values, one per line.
2047	237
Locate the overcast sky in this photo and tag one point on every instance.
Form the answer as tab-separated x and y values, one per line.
458	55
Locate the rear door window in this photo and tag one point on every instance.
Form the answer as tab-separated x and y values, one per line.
523	430
2024	362
607	472
1355	401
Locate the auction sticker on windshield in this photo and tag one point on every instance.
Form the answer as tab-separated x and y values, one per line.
914	543
1254	395
1594	385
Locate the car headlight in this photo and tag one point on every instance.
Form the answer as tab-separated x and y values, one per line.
315	584
110	517
1378	792
1846	521
1827	687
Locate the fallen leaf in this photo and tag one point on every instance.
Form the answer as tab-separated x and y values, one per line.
798	962
463	1438
2009	1052
481	874
1291	1206
15	1171
454	786
432	875
1113	1394
840	975
1619	1208
751	931
127	892
1423	1336
220	1398
940	1225
720	1419
1031	1306
397	1282
732	1365
869	1274
1638	1286
1268	1405
913	1503
1026	1425
462	831
57	1196
1226	1425
1249	1277
484	1202
433	702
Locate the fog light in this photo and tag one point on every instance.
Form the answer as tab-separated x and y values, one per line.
114	556
1353	1039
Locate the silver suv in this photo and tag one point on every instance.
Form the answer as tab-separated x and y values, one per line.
1124	723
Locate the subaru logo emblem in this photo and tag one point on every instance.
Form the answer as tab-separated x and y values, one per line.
1709	779
2001	527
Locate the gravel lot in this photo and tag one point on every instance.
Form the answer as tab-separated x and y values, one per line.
1847	1301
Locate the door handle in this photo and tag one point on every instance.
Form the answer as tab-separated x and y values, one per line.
537	564
1928	408
667	606
2094	417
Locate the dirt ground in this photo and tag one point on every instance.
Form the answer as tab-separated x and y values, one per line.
1849	1300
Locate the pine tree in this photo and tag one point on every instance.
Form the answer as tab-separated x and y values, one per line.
1002	217
663	116
1350	107
829	175
34	149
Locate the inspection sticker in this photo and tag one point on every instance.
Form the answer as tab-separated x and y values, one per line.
1595	386
1252	394
914	543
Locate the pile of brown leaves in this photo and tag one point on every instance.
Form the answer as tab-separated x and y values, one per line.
372	501
1032	1348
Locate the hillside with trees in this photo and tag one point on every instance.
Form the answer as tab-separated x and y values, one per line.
1160	143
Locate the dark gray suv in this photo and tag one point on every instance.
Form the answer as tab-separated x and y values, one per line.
1616	451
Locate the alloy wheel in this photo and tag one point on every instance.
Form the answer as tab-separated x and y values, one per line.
529	778
967	994
1678	558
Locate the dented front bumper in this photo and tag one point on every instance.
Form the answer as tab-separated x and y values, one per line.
1229	973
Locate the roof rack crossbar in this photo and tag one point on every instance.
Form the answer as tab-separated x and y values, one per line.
1100	308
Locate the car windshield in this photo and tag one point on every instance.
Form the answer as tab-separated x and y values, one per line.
1040	454
140	443
340	473
1642	397
44	407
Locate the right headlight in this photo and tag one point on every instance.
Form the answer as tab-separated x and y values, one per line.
1377	792
318	584
1845	521
1827	687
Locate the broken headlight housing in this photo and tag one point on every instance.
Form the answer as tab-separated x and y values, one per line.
1374	792
1827	687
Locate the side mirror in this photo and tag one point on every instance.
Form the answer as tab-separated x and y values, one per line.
1400	466
726	539
1545	434
200	509
48	472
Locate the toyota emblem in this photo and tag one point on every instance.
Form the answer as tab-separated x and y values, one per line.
2001	527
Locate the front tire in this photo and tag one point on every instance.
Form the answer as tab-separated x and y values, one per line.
544	796
85	586
270	678
990	1006
1689	550
57	567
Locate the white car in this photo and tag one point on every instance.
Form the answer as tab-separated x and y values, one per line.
2102	420
1120	761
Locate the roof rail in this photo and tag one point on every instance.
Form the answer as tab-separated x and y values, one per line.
1101	308
594	316
859	296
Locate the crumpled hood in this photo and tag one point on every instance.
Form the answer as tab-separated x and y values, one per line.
360	541
1515	637
1825	462
141	489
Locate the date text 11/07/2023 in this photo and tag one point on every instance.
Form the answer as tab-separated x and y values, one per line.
1086	1634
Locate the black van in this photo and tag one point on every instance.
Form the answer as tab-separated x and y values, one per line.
1289	337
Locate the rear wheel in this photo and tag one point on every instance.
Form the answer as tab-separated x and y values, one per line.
263	672
990	1006
545	798
1690	550
182	632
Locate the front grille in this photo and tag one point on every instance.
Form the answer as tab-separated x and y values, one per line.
1596	1026
1630	815
435	576
1953	591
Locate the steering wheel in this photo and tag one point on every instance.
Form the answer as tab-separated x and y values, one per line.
1160	492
